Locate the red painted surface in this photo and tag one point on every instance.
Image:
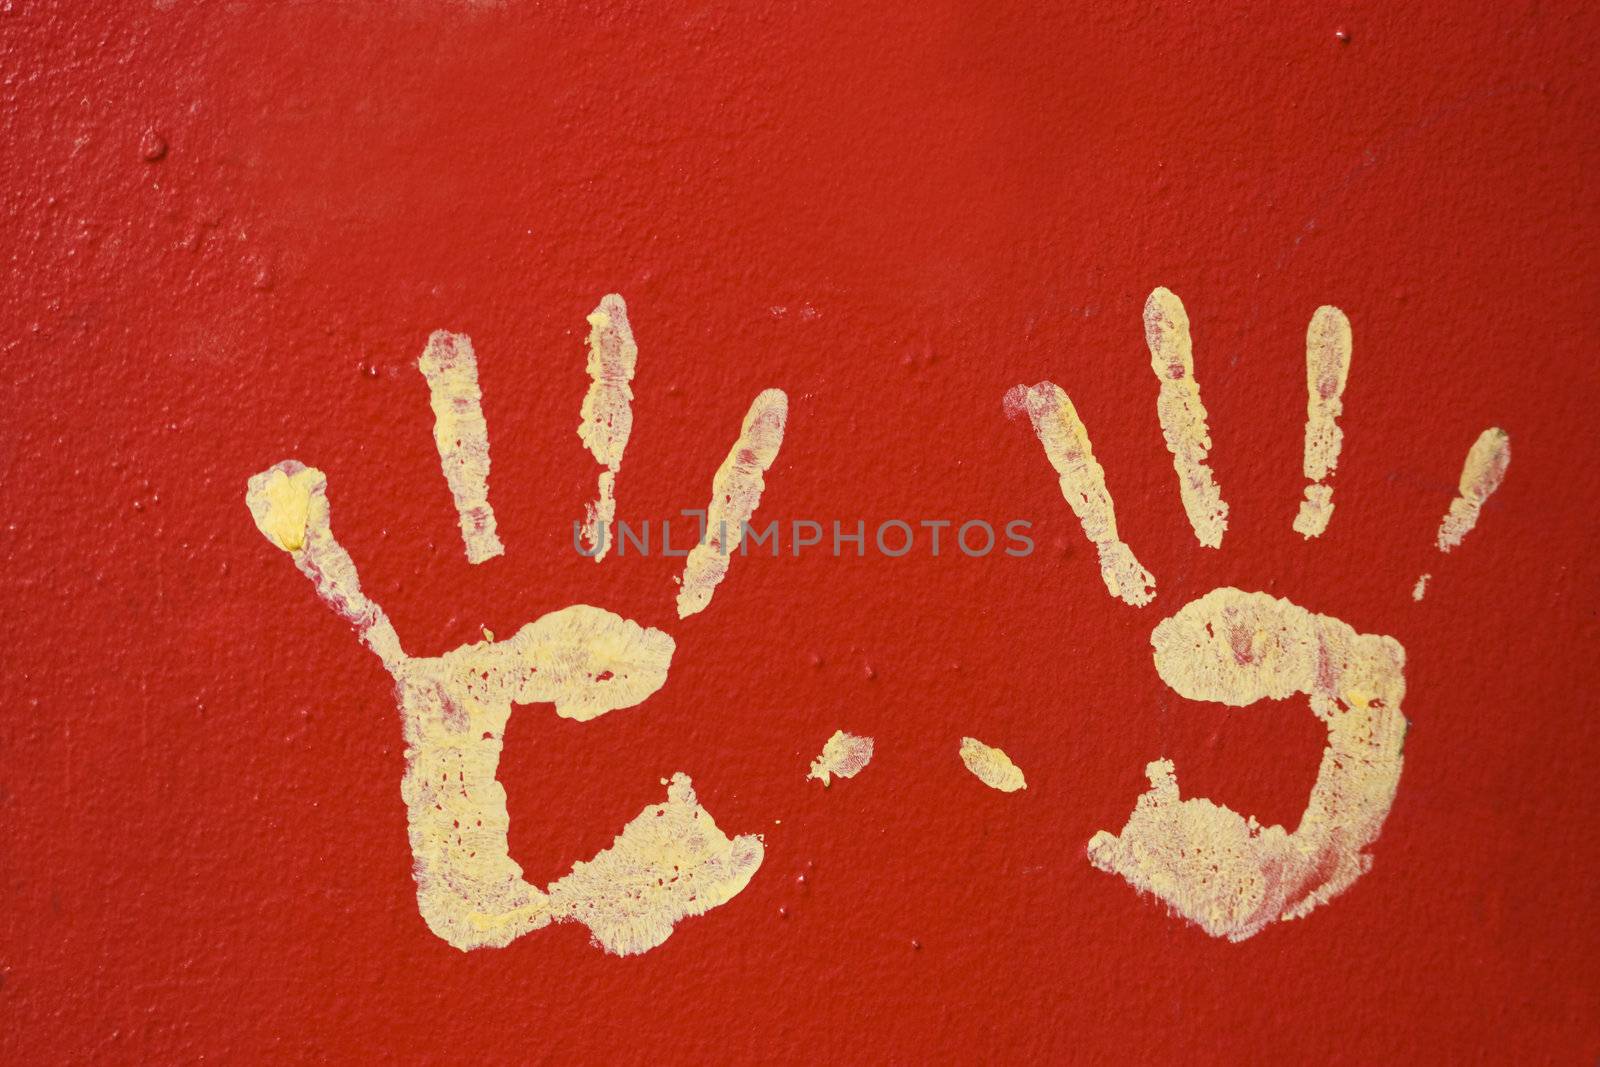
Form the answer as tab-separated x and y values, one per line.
228	232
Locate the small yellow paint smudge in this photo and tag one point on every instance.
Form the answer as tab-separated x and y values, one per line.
844	755
1183	416
607	415
280	504
735	493
991	766
1224	871
1083	484
1482	474
1420	590
1328	348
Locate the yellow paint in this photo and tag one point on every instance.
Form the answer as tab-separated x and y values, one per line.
454	710
1482	474
1420	590
584	660
451	368
1083	483
607	411
991	766
289	504
669	863
845	755
735	493
280	504
1183	416
1328	348
1224	871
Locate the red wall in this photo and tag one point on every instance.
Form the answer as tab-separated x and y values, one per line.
229	229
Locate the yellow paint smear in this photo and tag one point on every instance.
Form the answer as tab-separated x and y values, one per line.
1225	871
289	503
462	437
280	503
454	709
1083	483
607	416
844	756
1328	348
1482	474
1183	416
735	493
585	661
1420	590
991	766
668	864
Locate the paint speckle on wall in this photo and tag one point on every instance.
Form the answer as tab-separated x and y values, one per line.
1420	590
1083	484
451	369
607	416
1224	871
1183	416
844	756
991	766
1482	474
1328	348
735	493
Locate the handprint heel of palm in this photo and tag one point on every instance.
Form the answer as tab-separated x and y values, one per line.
669	863
1216	868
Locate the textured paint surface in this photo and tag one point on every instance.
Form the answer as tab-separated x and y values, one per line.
1083	484
1481	475
991	766
607	413
1328	348
229	231
1183	416
451	368
1226	872
844	756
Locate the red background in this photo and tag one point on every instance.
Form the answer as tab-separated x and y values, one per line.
204	850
